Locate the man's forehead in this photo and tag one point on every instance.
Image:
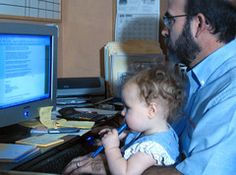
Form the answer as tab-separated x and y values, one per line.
176	7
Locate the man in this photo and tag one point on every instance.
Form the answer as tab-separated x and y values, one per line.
201	34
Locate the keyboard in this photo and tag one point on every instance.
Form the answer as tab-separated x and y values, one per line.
69	113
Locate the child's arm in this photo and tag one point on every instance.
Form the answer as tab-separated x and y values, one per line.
117	164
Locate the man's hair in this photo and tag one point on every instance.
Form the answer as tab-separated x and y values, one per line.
220	14
164	82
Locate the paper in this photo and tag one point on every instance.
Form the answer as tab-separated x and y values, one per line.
137	27
45	118
132	47
44	140
138	7
76	124
45	114
15	152
31	124
137	20
124	59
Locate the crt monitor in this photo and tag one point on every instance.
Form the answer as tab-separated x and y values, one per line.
28	70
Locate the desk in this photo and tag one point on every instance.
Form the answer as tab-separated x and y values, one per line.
12	172
76	146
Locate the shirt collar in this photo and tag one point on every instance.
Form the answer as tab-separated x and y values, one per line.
202	71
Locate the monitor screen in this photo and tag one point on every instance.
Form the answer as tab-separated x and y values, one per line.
28	55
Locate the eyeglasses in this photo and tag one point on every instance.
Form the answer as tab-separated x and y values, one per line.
170	20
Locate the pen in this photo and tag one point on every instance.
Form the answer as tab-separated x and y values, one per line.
54	131
100	148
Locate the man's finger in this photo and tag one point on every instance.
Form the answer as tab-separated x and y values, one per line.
70	168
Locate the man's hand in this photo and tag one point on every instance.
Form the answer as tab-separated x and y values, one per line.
85	164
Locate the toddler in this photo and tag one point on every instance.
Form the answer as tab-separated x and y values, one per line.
152	99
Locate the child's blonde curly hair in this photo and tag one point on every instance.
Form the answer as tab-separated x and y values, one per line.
164	81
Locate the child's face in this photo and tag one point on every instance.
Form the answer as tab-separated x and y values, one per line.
135	111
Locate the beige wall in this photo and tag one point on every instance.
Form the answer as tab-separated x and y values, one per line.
87	25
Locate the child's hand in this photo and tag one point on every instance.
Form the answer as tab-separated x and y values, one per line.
110	139
104	131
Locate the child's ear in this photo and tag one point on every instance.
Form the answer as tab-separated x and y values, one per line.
152	110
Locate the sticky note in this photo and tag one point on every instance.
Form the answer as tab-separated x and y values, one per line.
45	114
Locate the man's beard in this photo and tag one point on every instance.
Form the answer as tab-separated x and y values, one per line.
185	49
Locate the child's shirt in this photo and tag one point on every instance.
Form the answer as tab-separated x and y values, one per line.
162	146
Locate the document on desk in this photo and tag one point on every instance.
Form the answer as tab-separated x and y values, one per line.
46	119
44	140
47	140
77	124
16	152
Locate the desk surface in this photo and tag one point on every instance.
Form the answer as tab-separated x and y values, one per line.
12	172
43	150
72	147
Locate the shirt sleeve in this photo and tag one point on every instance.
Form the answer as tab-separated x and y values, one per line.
154	149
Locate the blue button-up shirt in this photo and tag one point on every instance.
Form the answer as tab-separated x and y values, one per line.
208	133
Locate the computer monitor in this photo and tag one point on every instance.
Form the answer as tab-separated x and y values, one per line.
28	70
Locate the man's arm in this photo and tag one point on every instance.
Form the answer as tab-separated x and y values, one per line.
154	170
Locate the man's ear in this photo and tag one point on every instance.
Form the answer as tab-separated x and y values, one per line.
152	110
200	24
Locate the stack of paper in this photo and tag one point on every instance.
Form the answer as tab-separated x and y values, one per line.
42	141
124	59
16	152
